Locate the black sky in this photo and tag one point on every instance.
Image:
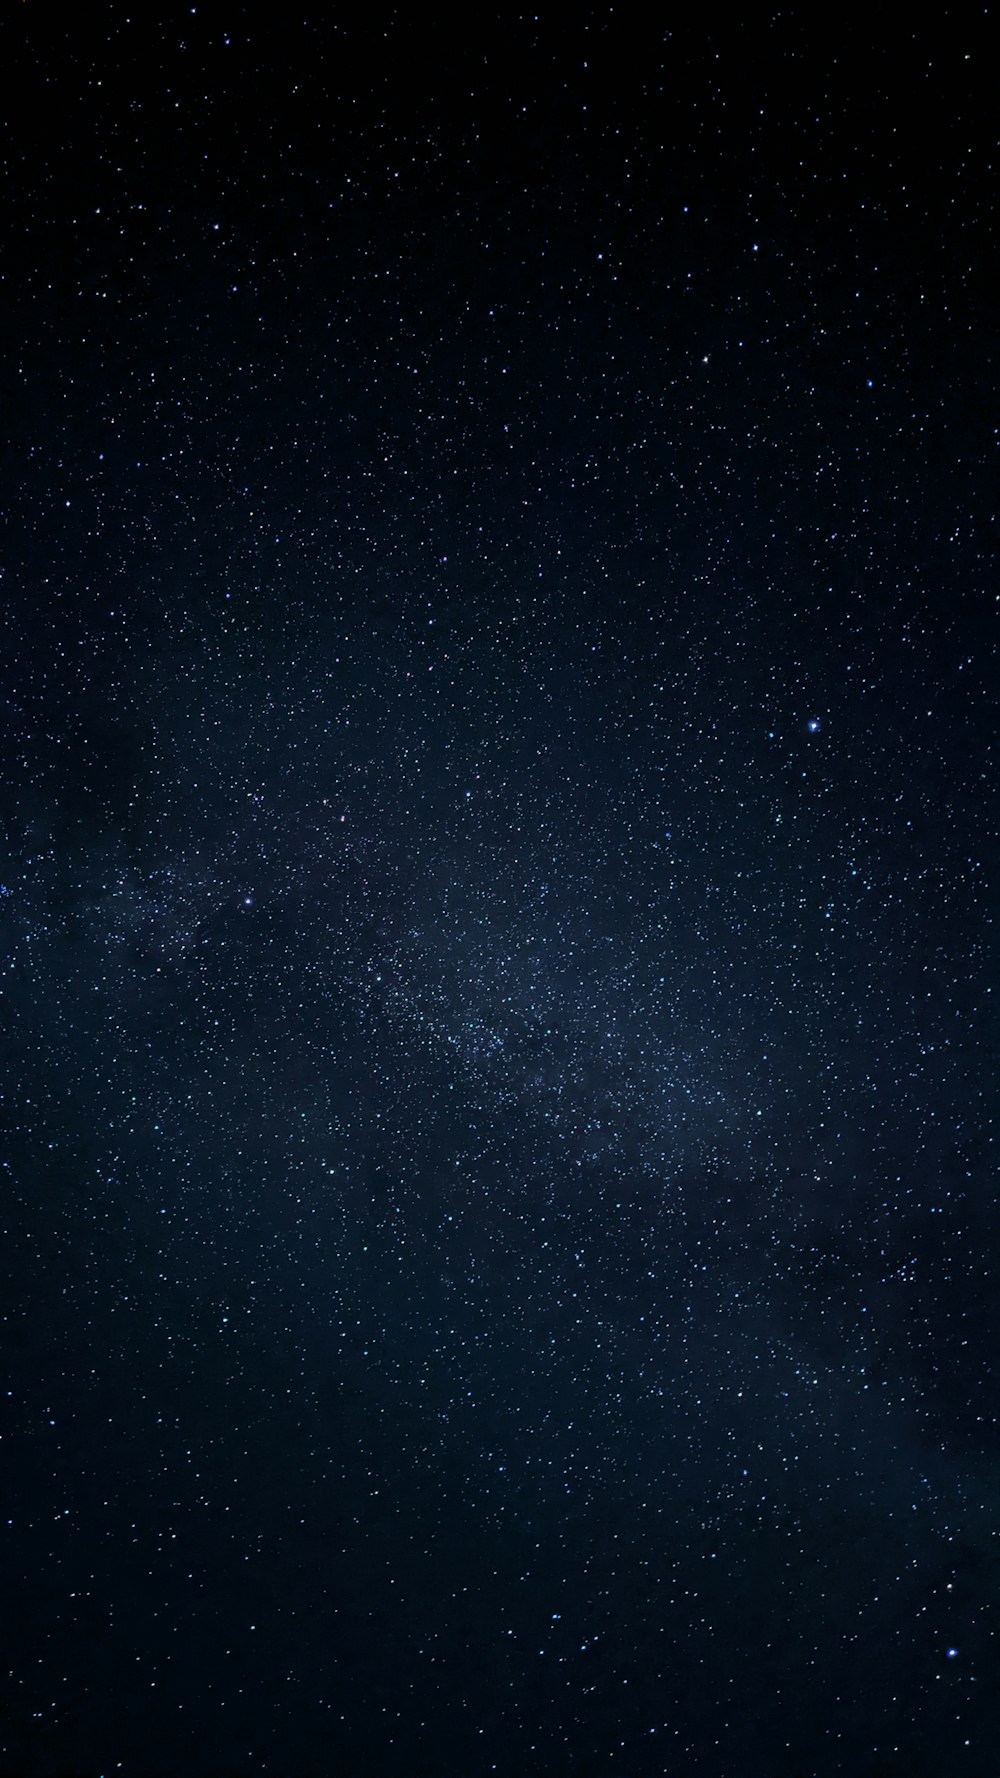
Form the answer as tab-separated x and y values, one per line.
499	831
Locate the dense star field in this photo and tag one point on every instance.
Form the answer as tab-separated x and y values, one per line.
498	835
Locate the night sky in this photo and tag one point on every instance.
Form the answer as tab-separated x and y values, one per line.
498	817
